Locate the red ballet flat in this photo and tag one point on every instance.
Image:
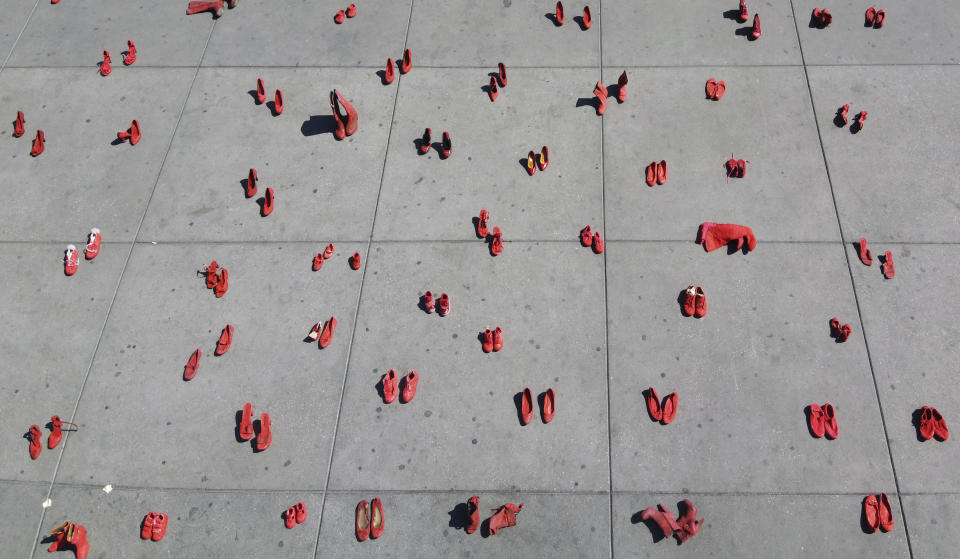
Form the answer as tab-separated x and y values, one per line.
246	423
885	510
871	512
362	523
653	405
711	88
267	208
526	406
376	518
190	370
226	338
669	408
651	174
721	89
662	171
549	406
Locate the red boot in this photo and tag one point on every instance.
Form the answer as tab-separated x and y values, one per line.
700	304
688	523
131	55
505	517
473	511
651	513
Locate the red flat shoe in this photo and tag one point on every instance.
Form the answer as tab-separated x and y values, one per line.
651	173
199	6
363	520
327	335
662	171
261	92
211	273
622	87
586	236
700	304
226	338
407	63
473	507
446	147
816	419
880	19
18	125
409	388
105	67
711	88
390	389
388	74
526	406
267	208
658	517
131	55
56	431
886	512
544	159
494	92
870	16
497	339
443	305
926	426
190	370
743	15
653	405
502	74
860	119
871	512
71	260
346	124
549	406
487	343
317	261
159	527
887	267
376	518
290	518
93	244
496	243
328	252
669	408
35	436
246	424
265	436
689	301
865	255
428	303
300	510
558	17
223	283
531	163
940	429
587	20
425	142
355	261
830	427
721	89
755	32
340	17
352	10
597	243
278	103
146	530
482	224
39	143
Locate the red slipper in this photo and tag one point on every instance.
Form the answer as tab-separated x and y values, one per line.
267	208
131	56
502	74
887	268
662	171
315	331
880	20
211	273
223	283
587	20
830	427
362	523
56	431
544	158
871	512
549	406
653	405
711	88
586	236
327	335
482	224
300	509
355	261
815	417
409	388
388	74
407	63
496	243
651	174
494	92
721	89
559	19
226	338
146	529
743	15
261	92
865	256
39	143
446	147
159	527
105	67
35	436
71	260
886	511
473	504
390	389
622	87
277	103
190	370
265	436
497	339
328	252
669	408
531	163
93	244
290	518
317	262
443	305
689	301
700	304
871	16
926	426
340	17
487	343
376	518
940	429
428	303
246	423
425	142
526	406
18	125
755	32
597	243
352	10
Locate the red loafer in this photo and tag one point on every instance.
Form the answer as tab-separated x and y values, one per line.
700	304
926	426
301	512
815	417
265	436
35	436
146	529
327	335
496	243
669	408
526	406
407	62
473	508
622	87
756	32
290	518
549	405
363	520
744	14
830	427
502	74
689	301
865	256
487	343
131	55
886	513
246	423
492	89
190	370
651	174
376	518
355	261
443	305
497	339
662	171
226	338
531	163
544	158
388	75
446	147
559	14
328	252
390	389
39	143
939	425
18	125
871	512
223	283
159	527
653	405
409	387
93	244
586	236
587	19
887	267
597	243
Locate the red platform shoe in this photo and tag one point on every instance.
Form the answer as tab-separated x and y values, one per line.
558	15
105	67
549	406
71	260
328	329
446	147
544	158
376	518
755	32
223	283
497	339
473	510
261	92
407	63
482	224
586	236
443	305
355	261
226	338
267	208
496	243
362	522
526	407
409	388
56	431
131	55
265	436
246	423
18	125
190	369
622	87
93	244
346	123
505	517
390	389
39	143
744	14
36	446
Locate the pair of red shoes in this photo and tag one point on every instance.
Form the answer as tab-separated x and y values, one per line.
684	529
840	332
657	172
874	18
351	11
406	387
694	302
742	17
217	279
587	17
715	89
344	114
446	146
131	134
590	239
665	412
245	430
323	331
736	168
441	305
601	93
534	162
71	258
495	240
262	98
321	256
492	339
215	6
548	408
841	119
867	258
369	521
821	17
931	424
502	77
823	421
39	143
405	66
70	535
223	343
297	514
878	513
154	526
56	435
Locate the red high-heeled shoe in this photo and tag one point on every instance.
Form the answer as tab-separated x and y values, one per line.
504	517
246	423
93	244
558	17
549	406
105	67
597	243
409	388
660	519
390	389
662	171
653	405
497	339
18	125
428	303
870	16
860	120
211	274
346	124
482	224
544	159
71	260
443	305
146	528
531	165
688	524
622	87
669	408
355	261
352	11
586	236
131	55
492	89
376	518
278	103
223	283
502	74
132	134
389	75
190	370
487	343
407	63
226	338
261	92
362	522
56	431
265	436
424	146
587	19
880	19
473	508
887	267
744	14
35	436
315	331
600	92
446	147
526	408
251	187
267	203
328	252
842	114
39	143
496	243
339	17
756	32
327	335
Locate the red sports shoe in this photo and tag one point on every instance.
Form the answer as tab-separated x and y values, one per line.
300	512
159	527
502	74
56	431
352	10
39	143
487	343
246	424
355	261
190	370
443	305
482	224
549	406
587	20
18	125
388	74
340	17
362	523
865	256
93	244
473	507
531	163
497	339
597	243
940	429
71	260
265	436
35	436
492	89
261	92
226	338
669	408
662	171
544	158
622	87
131	56
211	273
223	283
428	303
317	261
407	63
277	103
409	388
526	406
651	173
267	208
558	17
830	427
376	518
755	32
887	267
653	405
105	68
390	388
586	236
328	252
886	512
328	329
290	518
146	530
871	512
700	304
689	301
496	243
743	15
816	419
446	147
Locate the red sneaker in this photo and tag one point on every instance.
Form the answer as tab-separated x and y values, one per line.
226	338
721	89
446	147
597	243
443	305
211	272
887	267
261	92
362	523
865	256
246	425
497	339
587	20
496	243
300	510
689	301
159	527
93	244
494	92
290	518
425	142
190	370
473	506
558	17
622	87
355	261
409	388
328	329
223	283
531	163
586	236
267	208
390	389
870	16
526	406
18	125
39	143
816	419
265	436
407	63
544	158
880	19
502	74
318	261
328	252
886	512
700	304
926	426
482	224
131	55
376	518
340	17
755	32
56	431
71	260
428	303
871	512
652	173
388	74
352	10
939	425
711	88
669	408
830	427
277	103
105	68
662	171
36	447
549	406
743	15
653	405
487	343
146	530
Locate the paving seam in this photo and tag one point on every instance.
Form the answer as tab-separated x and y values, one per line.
116	291
17	40
456	241
356	313
853	286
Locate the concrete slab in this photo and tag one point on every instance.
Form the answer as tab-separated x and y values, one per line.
20	515
900	166
462	429
425	197
930	518
17	14
83	179
744	373
190	429
324	189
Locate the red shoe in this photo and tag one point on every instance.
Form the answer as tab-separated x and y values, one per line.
267	208
246	424
887	267
558	17
871	512
926	426
601	93
816	419
597	243
425	142
845	332
835	329
211	272
860	119
131	56
376	518
700	304
223	283
622	87
721	89
352	10
93	244
278	103
388	74
18	125
830	427
355	261
587	20
652	173
886	512
340	17
71	260
497	339
880	19
826	18
407	63
939	426
526	407
487	343
146	530
494	92
132	134
77	537
159	527
443	305
662	171
39	143
215	6
544	158
315	331
842	114
363	520
871	16
473	504
327	335
531	163
689	300
56	432
601	105
482	224
226	338
35	436
428	303
549	406
409	388
651	513
711	88
300	510
265	436
669	408
743	15
653	405
346	124
755	32
105	68
390	389
586	236
317	262
261	92
446	148
496	243
190	370
742	168
732	169
328	252
502	74
865	256
290	518
688	525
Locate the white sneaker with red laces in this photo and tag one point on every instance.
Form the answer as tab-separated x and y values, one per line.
93	244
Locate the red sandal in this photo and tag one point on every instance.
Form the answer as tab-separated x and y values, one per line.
56	431
265	436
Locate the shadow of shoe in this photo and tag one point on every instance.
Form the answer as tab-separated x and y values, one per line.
476	224
680	299
116	142
260	202
253	93
745	32
438	147
806	418
838	120
253	440
518	401
485	528
459	517
614	92
579	21
318	124
587	102
732	14
480	339
418	143
915	420
236	431
655	532
379	387
855	127
553	18
486	90
272	105
243	185
382	74
523	163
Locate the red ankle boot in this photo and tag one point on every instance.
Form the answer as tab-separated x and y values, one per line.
658	517
473	514
505	517
622	87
